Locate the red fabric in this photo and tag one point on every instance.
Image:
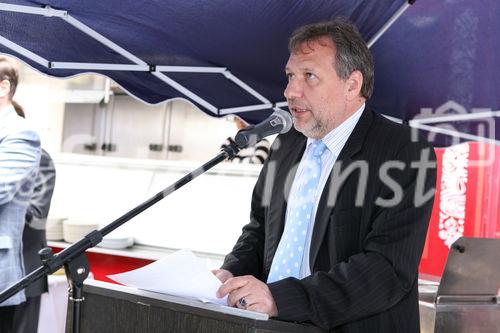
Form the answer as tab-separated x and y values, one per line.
105	264
482	200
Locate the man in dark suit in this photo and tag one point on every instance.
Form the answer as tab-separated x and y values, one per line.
335	234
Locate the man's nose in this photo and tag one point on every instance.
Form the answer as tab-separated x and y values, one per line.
293	90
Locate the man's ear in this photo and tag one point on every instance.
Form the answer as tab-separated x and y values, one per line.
354	84
4	88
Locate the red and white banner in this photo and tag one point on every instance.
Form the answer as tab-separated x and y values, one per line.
467	200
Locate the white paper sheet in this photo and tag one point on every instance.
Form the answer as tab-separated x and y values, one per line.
180	273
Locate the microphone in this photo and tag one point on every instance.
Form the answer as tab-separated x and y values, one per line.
278	122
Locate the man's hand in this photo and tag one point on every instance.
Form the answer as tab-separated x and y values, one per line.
222	274
253	293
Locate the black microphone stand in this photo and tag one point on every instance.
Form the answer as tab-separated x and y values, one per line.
73	258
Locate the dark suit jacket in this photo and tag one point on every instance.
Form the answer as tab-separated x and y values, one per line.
364	257
36	217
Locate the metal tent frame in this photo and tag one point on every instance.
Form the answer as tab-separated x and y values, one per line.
139	65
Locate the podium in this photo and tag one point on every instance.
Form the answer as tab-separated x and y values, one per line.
113	308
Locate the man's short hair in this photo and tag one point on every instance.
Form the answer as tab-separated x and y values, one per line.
8	71
352	53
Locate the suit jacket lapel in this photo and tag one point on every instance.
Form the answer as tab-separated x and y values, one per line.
323	213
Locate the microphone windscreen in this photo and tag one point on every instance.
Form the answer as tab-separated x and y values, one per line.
286	119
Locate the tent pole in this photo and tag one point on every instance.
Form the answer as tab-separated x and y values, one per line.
191	69
245	87
99	67
436	129
246	108
457	117
185	91
390	22
45	11
103	40
394	119
256	107
25	52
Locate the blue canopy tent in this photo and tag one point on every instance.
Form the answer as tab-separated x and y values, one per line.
438	67
228	56
224	56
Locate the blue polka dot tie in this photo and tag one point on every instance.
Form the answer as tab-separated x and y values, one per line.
288	257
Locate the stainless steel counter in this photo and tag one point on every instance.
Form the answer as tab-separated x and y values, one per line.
467	297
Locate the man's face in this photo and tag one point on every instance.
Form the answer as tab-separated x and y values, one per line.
316	96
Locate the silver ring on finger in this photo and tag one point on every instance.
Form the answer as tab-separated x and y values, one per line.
243	302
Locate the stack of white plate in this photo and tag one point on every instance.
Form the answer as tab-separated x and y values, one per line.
74	230
54	228
116	242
